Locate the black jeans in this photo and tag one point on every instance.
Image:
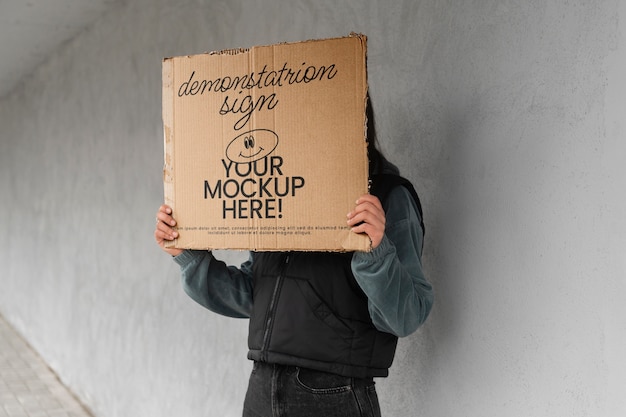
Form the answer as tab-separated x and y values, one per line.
289	391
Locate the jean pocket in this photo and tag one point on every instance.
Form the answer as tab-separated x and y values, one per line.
372	397
322	382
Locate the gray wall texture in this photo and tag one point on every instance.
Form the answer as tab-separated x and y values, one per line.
507	115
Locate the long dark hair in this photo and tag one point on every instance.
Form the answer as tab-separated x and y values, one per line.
375	156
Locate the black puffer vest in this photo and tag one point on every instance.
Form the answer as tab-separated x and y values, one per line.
309	311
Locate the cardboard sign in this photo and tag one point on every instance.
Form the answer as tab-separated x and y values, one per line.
265	148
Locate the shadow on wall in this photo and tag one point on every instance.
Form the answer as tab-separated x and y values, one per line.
437	150
453	199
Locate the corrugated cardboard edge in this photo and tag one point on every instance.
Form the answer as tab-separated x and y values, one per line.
367	242
235	51
353	241
168	145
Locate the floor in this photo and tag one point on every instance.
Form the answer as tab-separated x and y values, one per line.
28	387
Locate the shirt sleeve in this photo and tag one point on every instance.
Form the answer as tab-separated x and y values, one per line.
223	289
391	275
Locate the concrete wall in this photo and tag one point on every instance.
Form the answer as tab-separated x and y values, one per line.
508	116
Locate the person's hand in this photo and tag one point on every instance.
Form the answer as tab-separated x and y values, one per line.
164	230
368	217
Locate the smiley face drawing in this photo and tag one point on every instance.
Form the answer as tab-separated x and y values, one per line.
251	146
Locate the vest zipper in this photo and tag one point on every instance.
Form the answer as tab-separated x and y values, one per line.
269	321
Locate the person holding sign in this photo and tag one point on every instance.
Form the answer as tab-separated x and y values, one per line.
322	324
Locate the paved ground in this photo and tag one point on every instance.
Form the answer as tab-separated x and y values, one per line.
28	388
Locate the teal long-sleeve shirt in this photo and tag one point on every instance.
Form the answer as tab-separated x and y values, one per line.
391	275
